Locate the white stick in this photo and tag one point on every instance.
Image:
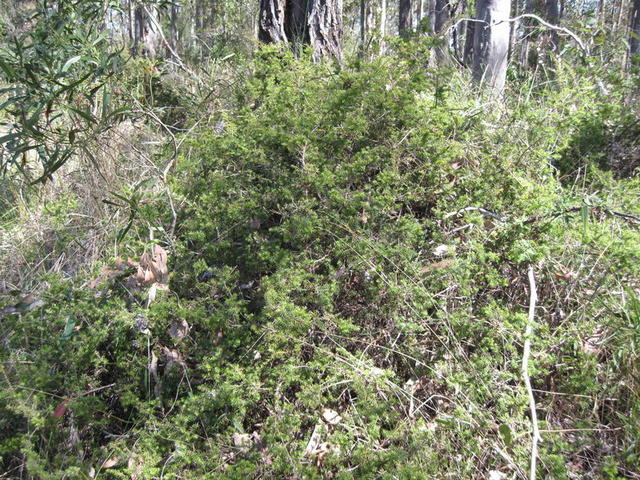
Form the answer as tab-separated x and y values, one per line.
533	298
557	28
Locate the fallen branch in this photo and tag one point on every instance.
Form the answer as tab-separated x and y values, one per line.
483	211
535	218
525	373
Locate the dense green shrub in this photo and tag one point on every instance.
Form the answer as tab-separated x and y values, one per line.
351	241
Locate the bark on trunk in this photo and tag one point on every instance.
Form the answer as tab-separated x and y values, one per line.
383	24
173	27
363	22
441	15
147	38
314	22
491	43
272	21
553	16
295	25
634	31
432	16
405	19
325	29
467	57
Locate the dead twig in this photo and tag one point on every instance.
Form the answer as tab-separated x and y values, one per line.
525	373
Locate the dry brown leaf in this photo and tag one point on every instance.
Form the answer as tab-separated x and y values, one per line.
110	462
156	263
242	441
132	263
437	266
315	440
149	277
564	275
151	297
153	366
60	409
172	357
135	464
179	329
331	416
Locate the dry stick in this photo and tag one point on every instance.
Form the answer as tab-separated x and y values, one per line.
550	26
525	373
179	62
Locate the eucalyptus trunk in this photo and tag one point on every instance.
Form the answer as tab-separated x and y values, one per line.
146	36
491	43
634	40
325	28
314	22
405	20
442	15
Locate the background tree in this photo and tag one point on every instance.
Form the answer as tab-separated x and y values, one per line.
491	43
634	29
405	17
314	22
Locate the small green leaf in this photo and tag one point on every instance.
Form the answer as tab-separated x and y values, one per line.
68	329
505	433
70	62
7	69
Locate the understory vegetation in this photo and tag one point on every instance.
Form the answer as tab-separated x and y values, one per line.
325	276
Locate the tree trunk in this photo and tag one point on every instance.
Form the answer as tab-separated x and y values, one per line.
432	16
527	27
295	25
325	29
272	21
405	19
173	27
553	16
467	56
363	22
419	14
146	38
383	24
314	22
634	30
442	15
491	43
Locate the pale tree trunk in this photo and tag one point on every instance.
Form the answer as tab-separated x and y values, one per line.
370	20
383	24
173	27
442	15
432	16
419	14
131	25
146	38
491	43
515	25
405	20
601	12
634	30
441	19
459	30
